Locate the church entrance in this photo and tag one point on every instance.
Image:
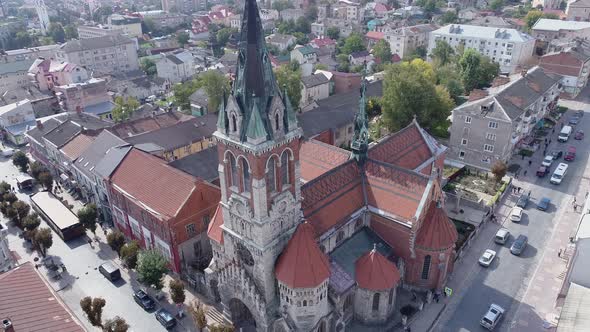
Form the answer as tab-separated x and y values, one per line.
241	316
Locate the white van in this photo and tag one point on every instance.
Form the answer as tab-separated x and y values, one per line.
564	134
559	173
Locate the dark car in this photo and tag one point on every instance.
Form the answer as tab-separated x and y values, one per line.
557	154
523	200
519	245
579	135
574	120
579	113
544	204
165	318
542	171
144	300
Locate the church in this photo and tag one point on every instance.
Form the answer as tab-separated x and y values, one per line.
311	237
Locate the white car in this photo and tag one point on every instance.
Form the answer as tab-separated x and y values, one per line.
487	258
8	152
547	161
492	317
516	214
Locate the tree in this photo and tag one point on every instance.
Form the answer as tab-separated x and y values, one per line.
291	79
177	291
488	70
151	267
46	180
333	32
354	43
124	107
56	31
101	13
21	211
409	91
148	66
30	224
183	91
476	70
10	198
93	309
183	38
281	5
116	240
216	85
43	240
128	254
449	77
320	66
496	5
20	160
116	324
311	13
198	315
442	53
221	328
71	32
449	17
223	35
382	51
499	170
532	17
303	25
36	169
87	217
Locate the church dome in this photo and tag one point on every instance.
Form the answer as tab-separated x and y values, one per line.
375	272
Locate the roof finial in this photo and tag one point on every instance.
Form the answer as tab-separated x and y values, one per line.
374	247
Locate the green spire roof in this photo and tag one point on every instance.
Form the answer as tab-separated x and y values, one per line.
255	125
222	117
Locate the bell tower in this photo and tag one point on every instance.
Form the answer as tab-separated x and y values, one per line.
258	144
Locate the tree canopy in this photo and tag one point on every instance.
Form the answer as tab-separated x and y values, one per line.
442	53
148	66
87	217
20	160
353	43
382	51
124	107
291	78
151	267
476	70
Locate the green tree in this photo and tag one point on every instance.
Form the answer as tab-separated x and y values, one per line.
382	51
488	70
87	217
532	17
36	169
216	85
354	43
291	79
71	32
442	53
46	180
449	17
30	224
182	38
497	5
177	291
43	240
116	240
320	66
409	91
20	160
20	212
469	67
343	63
129	253
116	324
93	309
333	33
101	13
499	170
223	35
124	107
281	5
151	267
148	66
303	25
56	31
183	91
198	315
449	77
221	328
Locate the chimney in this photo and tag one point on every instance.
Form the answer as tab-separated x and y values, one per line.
7	325
39	124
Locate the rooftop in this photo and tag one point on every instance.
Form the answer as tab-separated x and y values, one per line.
52	207
546	24
475	31
146	124
95	43
202	164
74	148
375	272
314	80
15	67
96	151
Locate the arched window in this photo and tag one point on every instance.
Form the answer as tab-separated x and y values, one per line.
285	168
246	175
277	121
390	296
426	267
340	237
271	178
233	171
234	124
376	299
304	303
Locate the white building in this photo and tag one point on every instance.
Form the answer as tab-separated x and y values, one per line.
578	10
14	119
508	47
47	73
176	66
282	42
128	25
405	40
13	75
87	31
313	87
546	30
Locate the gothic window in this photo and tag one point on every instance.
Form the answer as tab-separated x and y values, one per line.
277	121
234	124
348	303
271	175
246	175
390	296
244	254
285	168
426	267
304	303
233	171
376	298
340	237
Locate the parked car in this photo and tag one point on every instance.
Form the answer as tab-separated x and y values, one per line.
544	204
487	258
110	271
492	317
516	214
519	245
579	113
579	135
557	154
523	200
542	171
165	318
144	300
547	161
570	155
8	152
574	120
502	236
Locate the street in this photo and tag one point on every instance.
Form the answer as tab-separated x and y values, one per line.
82	277
525	286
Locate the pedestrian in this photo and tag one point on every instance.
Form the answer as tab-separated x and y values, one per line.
519	188
530	162
559	253
545	141
525	172
529	193
575	200
553	131
550	141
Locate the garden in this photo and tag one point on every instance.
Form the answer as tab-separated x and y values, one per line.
475	183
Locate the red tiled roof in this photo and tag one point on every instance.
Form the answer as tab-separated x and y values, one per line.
215	232
317	158
138	126
437	231
563	63
374	272
75	147
31	304
302	264
319	42
153	183
406	148
375	35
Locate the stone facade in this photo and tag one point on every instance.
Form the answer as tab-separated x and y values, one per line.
374	307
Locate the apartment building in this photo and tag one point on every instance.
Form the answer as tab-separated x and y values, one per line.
163	19
578	10
13	75
176	66
547	31
101	55
573	65
32	53
127	25
88	31
491	126
507	47
403	41
90	96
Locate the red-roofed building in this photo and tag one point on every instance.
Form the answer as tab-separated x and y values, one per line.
163	208
571	65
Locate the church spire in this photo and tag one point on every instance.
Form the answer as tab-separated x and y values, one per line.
360	141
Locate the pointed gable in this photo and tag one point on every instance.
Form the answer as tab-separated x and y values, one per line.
437	231
375	272
214	231
302	264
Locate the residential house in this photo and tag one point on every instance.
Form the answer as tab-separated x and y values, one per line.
90	97
547	31
44	103
177	66
47	73
163	208
7	259
199	101
304	54
291	14
405	40
138	85
493	125
101	55
361	58
14	119
313	87
163	19
13	75
141	125
324	45
373	37
280	41
318	29
572	65
179	140
345	82
507	47
578	10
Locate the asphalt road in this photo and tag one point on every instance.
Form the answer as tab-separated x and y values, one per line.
82	261
507	279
